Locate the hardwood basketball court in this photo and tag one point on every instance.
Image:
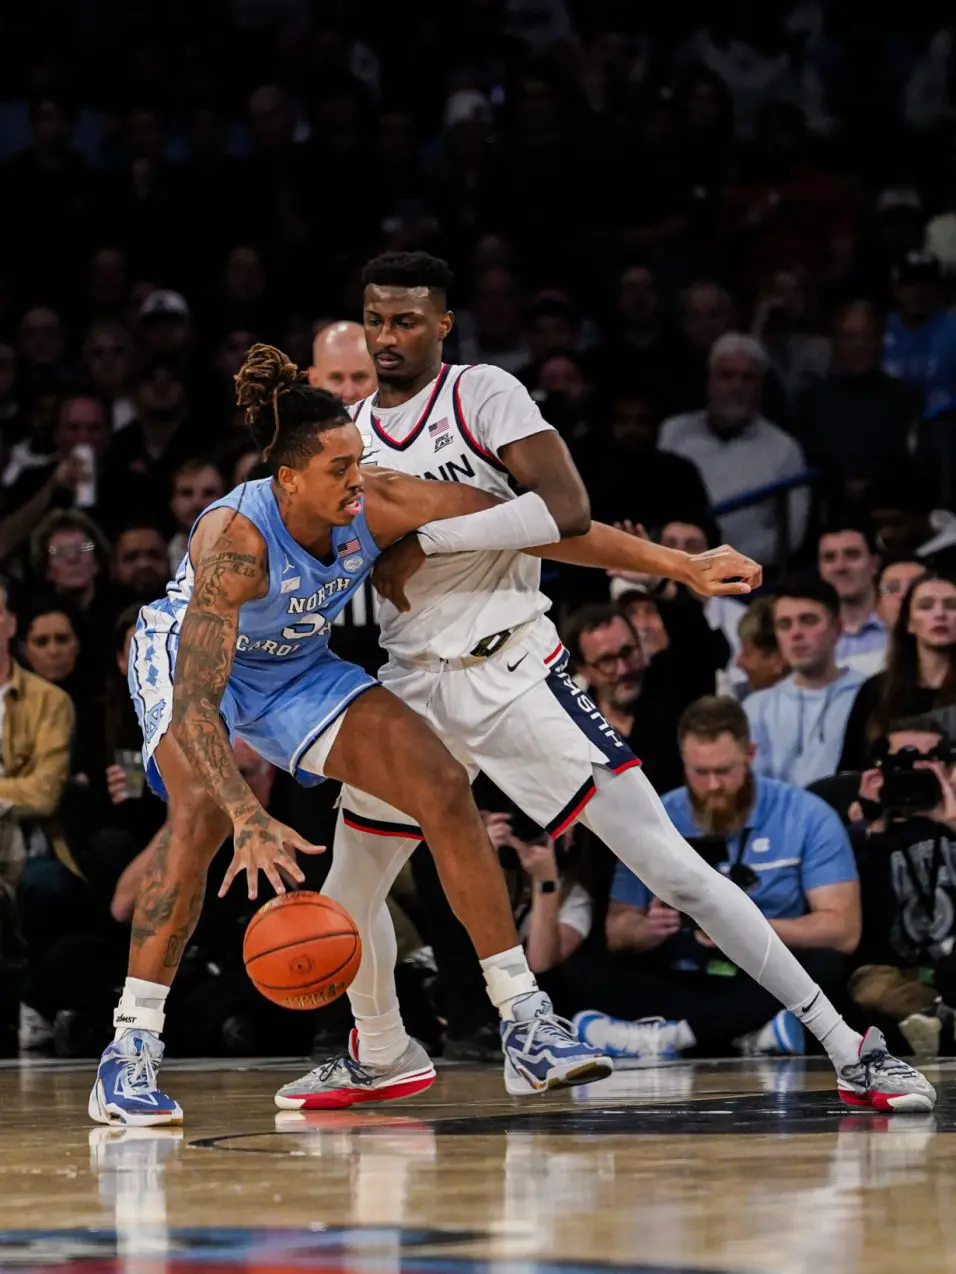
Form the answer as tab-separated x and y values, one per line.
718	1167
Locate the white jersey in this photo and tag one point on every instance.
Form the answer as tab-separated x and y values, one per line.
452	431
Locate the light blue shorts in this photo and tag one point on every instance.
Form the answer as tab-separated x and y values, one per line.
280	722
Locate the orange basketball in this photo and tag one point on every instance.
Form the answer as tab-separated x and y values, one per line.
302	950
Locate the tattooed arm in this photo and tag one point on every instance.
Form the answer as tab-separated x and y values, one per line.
231	568
229	559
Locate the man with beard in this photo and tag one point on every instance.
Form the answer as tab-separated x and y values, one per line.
737	450
785	848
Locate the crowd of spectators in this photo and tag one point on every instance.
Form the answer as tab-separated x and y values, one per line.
718	250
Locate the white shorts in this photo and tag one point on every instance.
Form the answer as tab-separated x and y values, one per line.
520	719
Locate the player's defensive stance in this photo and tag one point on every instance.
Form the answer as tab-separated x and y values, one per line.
238	647
476	655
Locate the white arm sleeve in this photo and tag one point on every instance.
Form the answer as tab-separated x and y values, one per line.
518	524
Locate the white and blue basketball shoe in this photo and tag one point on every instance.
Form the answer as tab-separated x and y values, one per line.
542	1051
649	1039
125	1091
783	1036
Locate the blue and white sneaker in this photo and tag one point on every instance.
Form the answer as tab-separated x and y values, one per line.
542	1051
125	1091
649	1038
783	1036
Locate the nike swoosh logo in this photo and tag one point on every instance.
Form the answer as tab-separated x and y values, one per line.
512	667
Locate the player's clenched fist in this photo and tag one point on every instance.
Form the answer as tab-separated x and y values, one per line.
722	572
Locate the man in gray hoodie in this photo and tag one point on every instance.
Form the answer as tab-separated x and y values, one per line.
798	724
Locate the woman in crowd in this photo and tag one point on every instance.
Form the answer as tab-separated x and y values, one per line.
920	672
51	643
54	643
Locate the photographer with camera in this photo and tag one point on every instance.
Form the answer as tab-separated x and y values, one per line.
552	908
908	879
782	845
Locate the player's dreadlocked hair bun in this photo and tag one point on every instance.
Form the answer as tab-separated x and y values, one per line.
285	415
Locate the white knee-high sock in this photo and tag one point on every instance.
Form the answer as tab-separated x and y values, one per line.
364	868
626	813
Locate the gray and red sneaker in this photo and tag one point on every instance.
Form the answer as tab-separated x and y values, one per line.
345	1081
880	1081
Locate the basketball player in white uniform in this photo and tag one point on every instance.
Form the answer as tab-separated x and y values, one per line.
477	657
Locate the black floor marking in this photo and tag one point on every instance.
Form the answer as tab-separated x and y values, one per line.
763	1115
751	1114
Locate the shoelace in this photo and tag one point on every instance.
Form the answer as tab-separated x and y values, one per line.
554	1028
327	1068
141	1072
890	1065
881	1061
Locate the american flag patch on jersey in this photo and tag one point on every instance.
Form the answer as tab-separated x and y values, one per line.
350	546
439	427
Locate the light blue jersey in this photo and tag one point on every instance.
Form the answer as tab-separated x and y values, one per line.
286	687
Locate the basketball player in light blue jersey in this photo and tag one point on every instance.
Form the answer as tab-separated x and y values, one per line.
238	648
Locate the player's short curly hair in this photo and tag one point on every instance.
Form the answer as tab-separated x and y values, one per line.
409	270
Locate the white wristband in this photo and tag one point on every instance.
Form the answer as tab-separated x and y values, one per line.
517	524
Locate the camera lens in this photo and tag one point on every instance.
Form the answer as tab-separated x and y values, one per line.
744	877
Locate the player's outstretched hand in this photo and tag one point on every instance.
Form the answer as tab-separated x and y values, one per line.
723	572
263	844
395	568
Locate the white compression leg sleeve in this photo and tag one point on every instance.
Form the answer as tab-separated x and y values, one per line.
364	868
627	814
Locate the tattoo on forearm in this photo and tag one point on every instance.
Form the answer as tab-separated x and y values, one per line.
207	639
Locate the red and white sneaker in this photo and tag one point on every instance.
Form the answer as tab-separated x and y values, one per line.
345	1081
880	1081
